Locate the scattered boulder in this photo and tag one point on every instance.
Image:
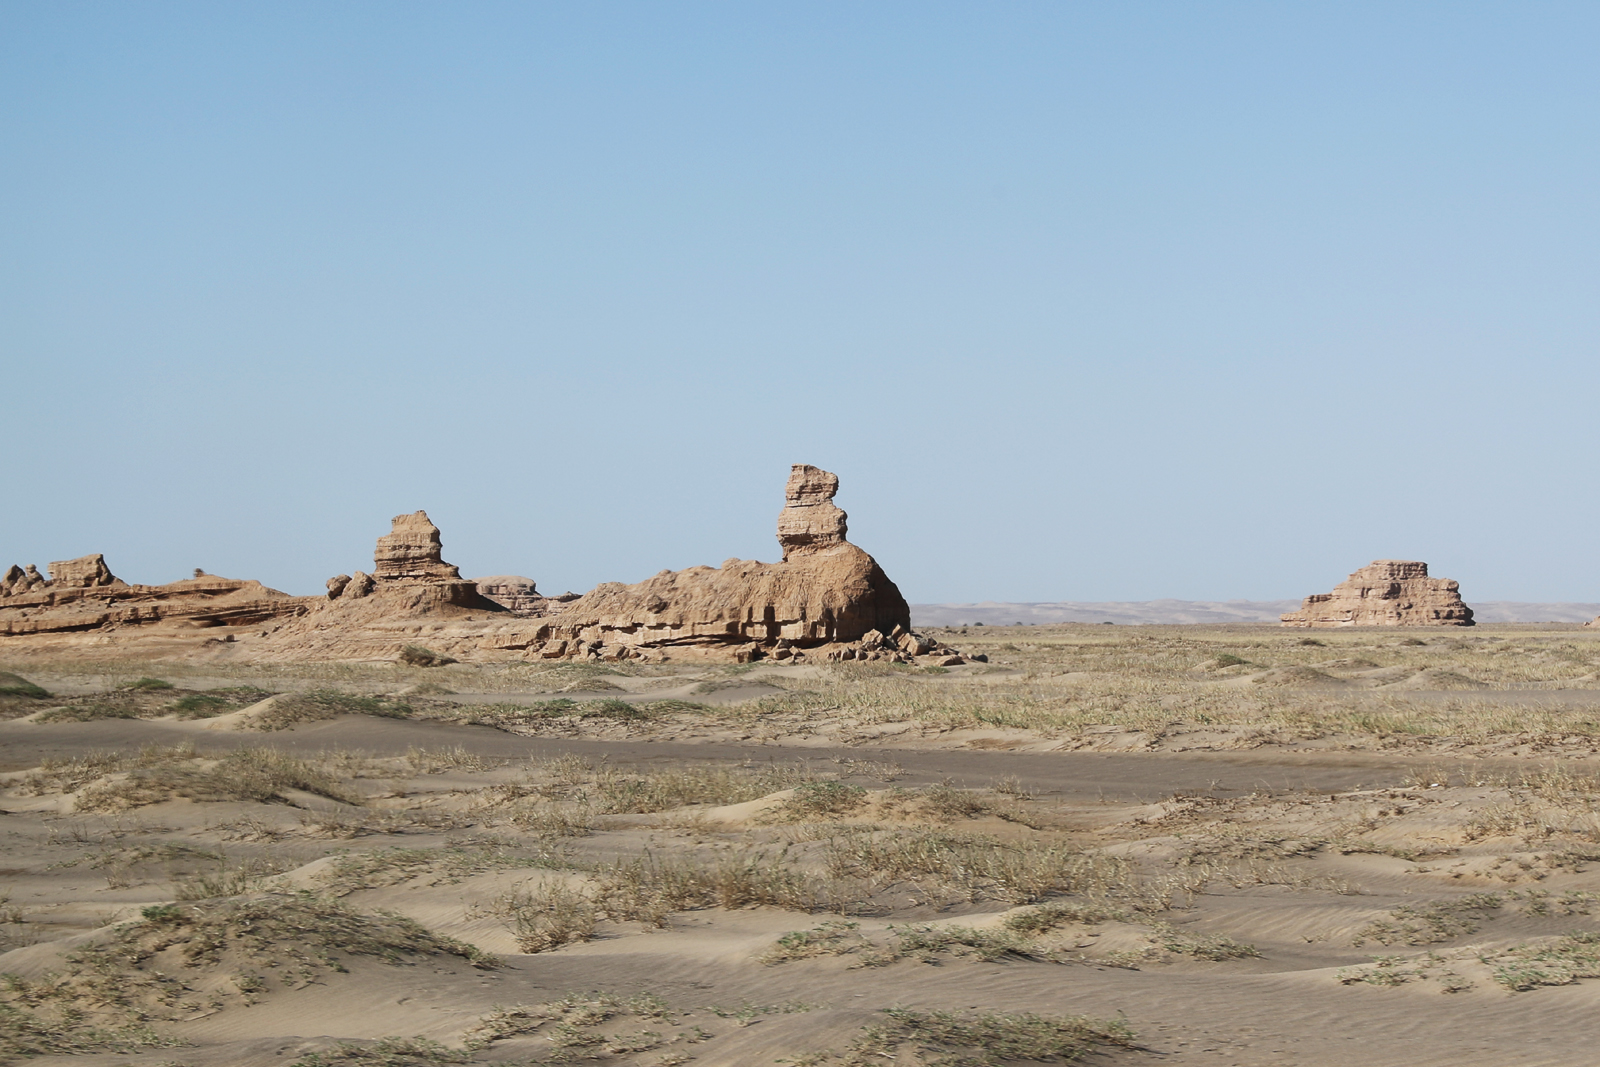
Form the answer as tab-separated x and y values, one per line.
1387	592
336	585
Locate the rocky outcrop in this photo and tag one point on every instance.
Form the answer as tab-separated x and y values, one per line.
1387	592
516	594
85	572
83	595
810	520
1595	622
411	549
409	572
825	598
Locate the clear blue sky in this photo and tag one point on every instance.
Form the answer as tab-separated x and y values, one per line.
1081	301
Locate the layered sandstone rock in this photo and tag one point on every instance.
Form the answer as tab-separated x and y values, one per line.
83	595
810	520
516	594
411	549
375	616
1387	592
825	592
85	572
409	571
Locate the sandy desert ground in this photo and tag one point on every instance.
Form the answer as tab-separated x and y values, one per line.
1122	845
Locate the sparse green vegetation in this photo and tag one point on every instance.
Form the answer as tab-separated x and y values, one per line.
14	685
149	683
110	992
1559	962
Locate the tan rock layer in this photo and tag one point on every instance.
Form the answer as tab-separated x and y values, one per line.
205	601
1386	592
411	549
827	599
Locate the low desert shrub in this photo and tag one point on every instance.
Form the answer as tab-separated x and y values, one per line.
1559	962
616	791
812	800
319	704
386	1052
264	775
148	683
546	915
986	1040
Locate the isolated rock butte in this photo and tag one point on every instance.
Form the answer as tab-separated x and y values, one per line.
826	591
1386	592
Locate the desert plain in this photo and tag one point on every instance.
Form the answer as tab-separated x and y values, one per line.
1228	845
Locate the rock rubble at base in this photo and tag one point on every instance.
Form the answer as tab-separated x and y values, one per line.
1386	592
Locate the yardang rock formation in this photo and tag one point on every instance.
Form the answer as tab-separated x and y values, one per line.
826	599
83	595
1386	592
825	595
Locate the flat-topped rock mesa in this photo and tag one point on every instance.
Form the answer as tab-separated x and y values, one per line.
1386	592
411	549
516	594
83	595
826	595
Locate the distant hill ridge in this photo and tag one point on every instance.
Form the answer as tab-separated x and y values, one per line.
1173	612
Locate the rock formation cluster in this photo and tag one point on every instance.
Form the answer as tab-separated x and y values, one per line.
1386	592
825	599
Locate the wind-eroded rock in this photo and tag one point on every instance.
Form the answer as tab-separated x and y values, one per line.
1386	592
84	595
825	592
411	549
516	594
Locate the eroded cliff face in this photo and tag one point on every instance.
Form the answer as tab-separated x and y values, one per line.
1386	592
